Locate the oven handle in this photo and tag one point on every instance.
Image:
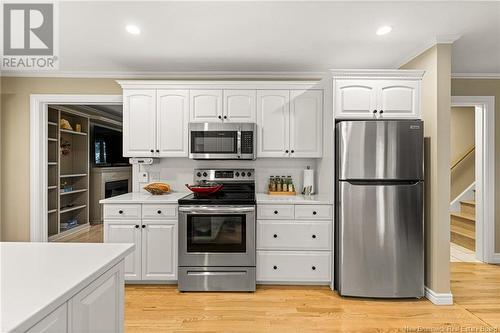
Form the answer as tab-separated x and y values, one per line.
216	273
216	210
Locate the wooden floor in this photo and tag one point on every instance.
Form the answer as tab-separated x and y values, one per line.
93	235
476	290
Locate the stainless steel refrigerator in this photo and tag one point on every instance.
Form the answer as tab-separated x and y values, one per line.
379	208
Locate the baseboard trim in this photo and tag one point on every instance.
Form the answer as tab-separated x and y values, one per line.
438	298
495	258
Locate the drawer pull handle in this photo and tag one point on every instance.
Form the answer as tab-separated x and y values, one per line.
136	226
314	236
275	236
314	213
275	267
275	212
313	268
143	226
159	212
120	212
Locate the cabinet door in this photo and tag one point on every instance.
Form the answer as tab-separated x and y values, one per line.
139	123
355	99
399	99
273	120
126	232
239	106
56	321
159	250
306	123
172	122
206	105
99	306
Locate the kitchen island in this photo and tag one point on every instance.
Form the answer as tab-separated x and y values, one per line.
62	287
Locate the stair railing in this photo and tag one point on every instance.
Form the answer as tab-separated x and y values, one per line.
462	157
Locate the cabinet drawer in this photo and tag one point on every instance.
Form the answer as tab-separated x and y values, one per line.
293	266
122	211
159	211
275	212
313	212
294	235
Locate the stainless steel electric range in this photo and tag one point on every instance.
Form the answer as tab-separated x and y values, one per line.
217	234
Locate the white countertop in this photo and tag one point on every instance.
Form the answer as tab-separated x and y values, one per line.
36	278
299	199
142	197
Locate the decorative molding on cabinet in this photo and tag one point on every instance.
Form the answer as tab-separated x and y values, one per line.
217	84
402	74
438	298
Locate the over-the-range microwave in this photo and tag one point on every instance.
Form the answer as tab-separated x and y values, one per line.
224	141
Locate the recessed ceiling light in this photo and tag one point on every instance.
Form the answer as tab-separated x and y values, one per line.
384	30
133	29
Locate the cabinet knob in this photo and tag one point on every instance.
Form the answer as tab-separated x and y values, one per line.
225	117
220	117
275	267
314	236
143	226
381	111
313	268
293	151
120	212
275	212
275	236
314	213
286	151
152	150
137	226
157	150
159	212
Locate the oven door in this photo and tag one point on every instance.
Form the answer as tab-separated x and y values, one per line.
217	236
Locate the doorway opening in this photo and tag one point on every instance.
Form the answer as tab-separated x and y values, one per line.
472	179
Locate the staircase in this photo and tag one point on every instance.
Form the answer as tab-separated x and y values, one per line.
463	225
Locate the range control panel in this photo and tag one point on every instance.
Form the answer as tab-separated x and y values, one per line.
219	175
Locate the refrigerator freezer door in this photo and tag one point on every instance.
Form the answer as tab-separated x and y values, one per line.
370	150
381	240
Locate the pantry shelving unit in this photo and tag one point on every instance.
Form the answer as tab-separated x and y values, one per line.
68	173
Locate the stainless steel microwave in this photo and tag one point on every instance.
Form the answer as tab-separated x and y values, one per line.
230	141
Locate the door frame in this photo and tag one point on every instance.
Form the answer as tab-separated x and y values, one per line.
38	153
485	172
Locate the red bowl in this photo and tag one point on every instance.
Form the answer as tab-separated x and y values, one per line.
204	189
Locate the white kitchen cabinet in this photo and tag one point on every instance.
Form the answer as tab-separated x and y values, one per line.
355	98
139	122
56	321
125	231
240	106
172	123
376	94
99	307
399	99
159	250
273	121
293	235
205	105
306	120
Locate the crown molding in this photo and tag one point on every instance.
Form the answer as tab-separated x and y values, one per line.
377	73
440	39
484	76
230	75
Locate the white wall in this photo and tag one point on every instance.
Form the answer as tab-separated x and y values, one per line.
179	171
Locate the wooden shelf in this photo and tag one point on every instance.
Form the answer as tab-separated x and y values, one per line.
62	211
52	211
72	192
74	175
72	132
52	163
52	139
68	232
51	123
53	187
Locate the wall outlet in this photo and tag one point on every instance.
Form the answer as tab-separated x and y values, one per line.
143	177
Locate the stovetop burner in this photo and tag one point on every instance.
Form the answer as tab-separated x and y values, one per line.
239	187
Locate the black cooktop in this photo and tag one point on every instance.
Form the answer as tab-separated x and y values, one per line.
220	198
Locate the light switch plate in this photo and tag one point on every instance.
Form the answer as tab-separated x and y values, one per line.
143	177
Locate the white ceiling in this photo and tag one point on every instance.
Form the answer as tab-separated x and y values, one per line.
272	36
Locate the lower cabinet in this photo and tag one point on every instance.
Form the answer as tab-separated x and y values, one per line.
154	234
294	244
96	308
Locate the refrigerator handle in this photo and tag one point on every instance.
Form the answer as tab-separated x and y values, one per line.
383	182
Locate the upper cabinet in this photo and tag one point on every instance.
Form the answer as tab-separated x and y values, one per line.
206	105
240	106
290	123
172	113
391	94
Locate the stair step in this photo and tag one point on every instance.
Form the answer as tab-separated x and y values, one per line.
463	216
463	241
468	202
463	231
465	224
468	207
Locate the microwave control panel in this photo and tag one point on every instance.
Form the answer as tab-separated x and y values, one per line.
246	142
